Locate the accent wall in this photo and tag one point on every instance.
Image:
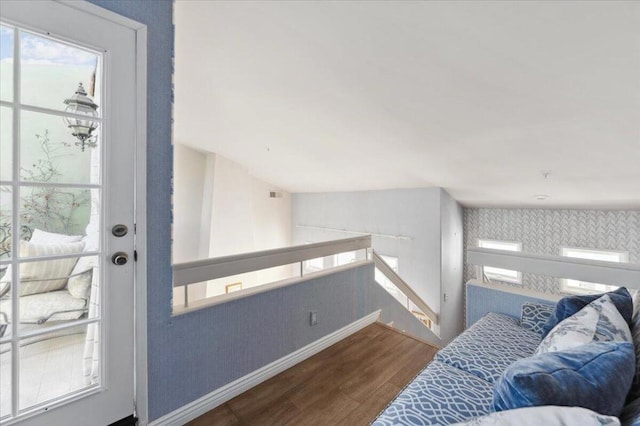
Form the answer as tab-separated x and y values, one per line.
544	231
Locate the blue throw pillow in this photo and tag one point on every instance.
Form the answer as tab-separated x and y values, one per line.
631	414
569	305
596	376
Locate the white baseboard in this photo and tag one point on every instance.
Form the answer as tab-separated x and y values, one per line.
219	396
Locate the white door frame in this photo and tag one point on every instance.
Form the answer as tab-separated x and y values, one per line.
140	277
140	403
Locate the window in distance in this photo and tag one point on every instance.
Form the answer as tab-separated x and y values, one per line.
499	274
583	287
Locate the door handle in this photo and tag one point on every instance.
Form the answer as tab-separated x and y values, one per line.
120	258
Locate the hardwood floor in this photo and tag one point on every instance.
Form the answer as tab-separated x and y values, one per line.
347	384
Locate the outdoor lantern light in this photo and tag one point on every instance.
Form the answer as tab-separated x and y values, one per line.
81	128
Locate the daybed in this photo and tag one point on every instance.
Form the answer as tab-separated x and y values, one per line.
501	365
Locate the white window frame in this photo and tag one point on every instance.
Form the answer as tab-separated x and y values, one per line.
501	274
571	286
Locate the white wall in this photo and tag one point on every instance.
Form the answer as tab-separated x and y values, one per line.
244	219
404	223
232	220
188	186
189	167
220	209
272	227
452	291
238	216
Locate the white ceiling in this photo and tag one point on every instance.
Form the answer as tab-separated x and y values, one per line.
479	98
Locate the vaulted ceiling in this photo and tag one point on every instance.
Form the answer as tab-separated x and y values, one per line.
481	98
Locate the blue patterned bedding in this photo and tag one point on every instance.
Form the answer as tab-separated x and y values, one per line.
489	346
458	384
535	315
439	395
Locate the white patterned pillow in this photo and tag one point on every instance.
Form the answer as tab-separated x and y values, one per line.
578	329
635	336
612	327
548	415
49	275
599	321
43	237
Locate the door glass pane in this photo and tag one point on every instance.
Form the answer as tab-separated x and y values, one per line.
55	364
5	379
6	63
52	71
5	224
60	210
49	154
6	142
5	307
57	116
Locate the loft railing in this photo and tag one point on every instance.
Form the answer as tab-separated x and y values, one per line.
204	270
597	271
421	309
207	270
219	267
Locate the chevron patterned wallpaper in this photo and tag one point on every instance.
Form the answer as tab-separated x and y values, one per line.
545	231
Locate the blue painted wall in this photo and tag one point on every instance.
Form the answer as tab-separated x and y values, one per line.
196	353
482	299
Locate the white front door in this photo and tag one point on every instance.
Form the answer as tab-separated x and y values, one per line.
67	153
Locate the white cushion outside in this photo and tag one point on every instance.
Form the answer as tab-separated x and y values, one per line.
44	306
43	237
46	275
80	280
